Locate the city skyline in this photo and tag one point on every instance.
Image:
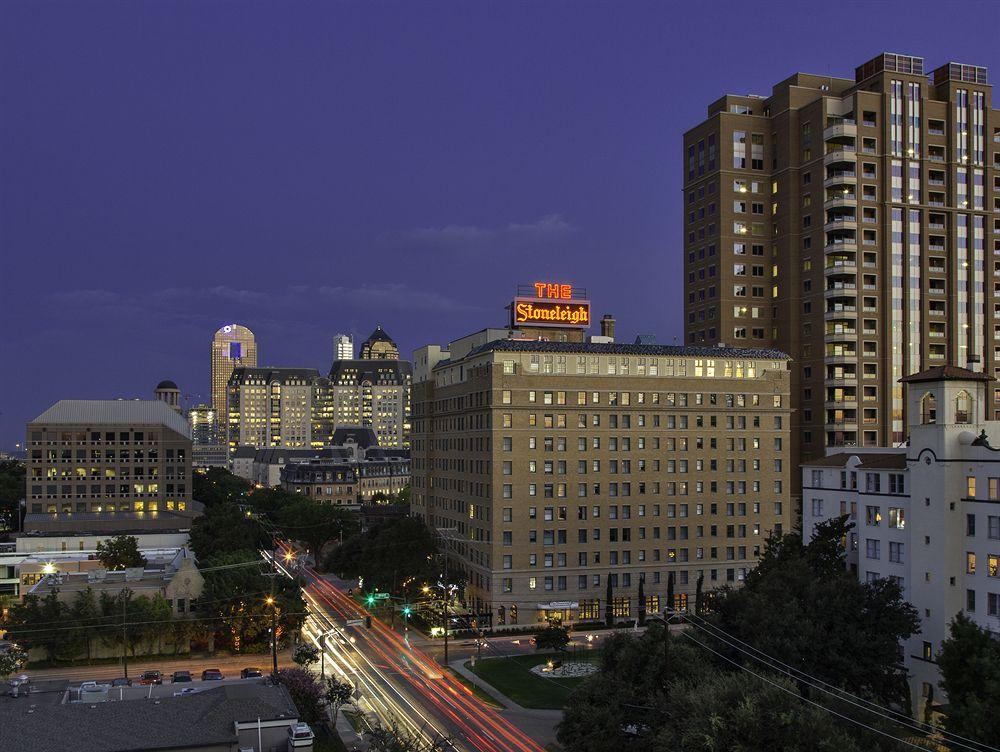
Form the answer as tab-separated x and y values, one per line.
500	166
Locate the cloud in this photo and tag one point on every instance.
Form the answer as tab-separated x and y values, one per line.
516	235
203	303
394	296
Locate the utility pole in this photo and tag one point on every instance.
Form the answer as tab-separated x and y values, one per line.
124	633
322	657
274	640
444	603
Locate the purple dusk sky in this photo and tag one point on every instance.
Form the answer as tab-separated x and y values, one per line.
307	168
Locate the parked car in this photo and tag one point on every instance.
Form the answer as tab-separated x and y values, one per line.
187	691
150	677
212	674
251	673
121	681
20	686
300	736
180	676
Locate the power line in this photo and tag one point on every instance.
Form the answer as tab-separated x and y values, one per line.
795	694
838	693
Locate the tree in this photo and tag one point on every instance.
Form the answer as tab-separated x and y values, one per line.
120	552
224	529
305	691
12	661
609	612
12	475
801	595
642	599
670	592
337	694
393	738
235	598
36	623
397	557
313	523
305	654
658	691
730	711
699	594
219	486
969	661
553	637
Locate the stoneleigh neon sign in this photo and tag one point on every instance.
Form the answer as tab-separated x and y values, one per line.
553	305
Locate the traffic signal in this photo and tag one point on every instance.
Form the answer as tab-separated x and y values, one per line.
368	622
370	600
407	610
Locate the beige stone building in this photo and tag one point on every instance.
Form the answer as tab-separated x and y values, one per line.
104	466
553	466
272	407
851	223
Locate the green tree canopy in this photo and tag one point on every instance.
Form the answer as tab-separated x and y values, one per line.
313	523
553	637
120	552
224	529
235	598
397	557
660	692
801	595
218	486
970	675
12	480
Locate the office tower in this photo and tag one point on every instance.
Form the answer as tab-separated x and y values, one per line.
271	407
379	346
204	425
372	393
343	347
551	466
166	391
232	346
108	466
850	223
926	515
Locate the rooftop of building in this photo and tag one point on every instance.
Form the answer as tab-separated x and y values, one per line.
945	373
202	719
115	412
166	384
282	455
153	576
272	373
84	523
361	435
622	348
375	370
379	335
868	460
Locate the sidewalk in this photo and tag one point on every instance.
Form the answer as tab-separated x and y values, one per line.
538	724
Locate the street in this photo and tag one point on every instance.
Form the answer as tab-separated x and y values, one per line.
400	683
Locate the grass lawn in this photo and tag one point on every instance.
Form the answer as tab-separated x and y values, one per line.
328	743
513	677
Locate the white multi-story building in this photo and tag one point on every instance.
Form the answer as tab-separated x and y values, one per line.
927	514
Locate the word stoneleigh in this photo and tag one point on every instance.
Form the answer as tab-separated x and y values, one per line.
565	314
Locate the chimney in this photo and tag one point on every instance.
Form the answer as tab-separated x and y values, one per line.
608	326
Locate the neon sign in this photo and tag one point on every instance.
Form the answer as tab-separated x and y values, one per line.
550	304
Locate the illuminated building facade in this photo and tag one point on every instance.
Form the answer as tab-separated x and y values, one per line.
271	407
232	346
851	223
108	465
378	346
561	465
374	394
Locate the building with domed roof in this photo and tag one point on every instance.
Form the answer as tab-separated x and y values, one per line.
379	346
167	391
